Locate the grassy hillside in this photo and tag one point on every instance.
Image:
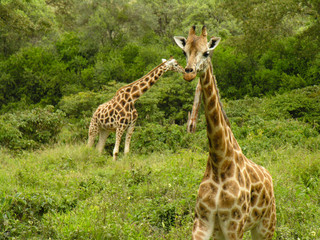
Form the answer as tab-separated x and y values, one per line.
67	191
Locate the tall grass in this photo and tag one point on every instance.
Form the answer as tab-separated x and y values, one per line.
68	191
71	192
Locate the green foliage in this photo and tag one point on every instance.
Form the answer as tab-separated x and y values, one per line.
140	196
33	74
267	46
234	82
76	55
30	128
154	137
264	124
22	213
154	194
22	22
272	122
79	109
302	104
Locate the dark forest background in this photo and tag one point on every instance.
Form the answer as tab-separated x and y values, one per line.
52	49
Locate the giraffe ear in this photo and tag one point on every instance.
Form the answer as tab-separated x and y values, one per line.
180	41
163	60
214	41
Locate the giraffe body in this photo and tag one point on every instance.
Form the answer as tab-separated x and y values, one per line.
119	114
235	195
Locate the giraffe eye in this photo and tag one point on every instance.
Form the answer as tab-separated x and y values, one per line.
184	53
206	54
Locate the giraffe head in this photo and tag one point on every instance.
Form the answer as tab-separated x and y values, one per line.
173	65
197	51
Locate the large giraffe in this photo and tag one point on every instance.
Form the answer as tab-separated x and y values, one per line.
119	114
235	195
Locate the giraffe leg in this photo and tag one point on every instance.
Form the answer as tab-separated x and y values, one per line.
202	229
128	138
261	234
91	140
102	140
265	229
119	133
232	230
93	132
206	223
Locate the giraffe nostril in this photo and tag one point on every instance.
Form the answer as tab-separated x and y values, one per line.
188	70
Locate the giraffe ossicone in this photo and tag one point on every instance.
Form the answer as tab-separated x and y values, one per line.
236	194
119	114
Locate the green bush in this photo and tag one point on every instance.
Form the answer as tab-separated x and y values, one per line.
154	137
21	214
33	74
258	124
79	108
302	104
30	128
289	119
232	70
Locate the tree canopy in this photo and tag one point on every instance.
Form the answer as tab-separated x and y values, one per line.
50	49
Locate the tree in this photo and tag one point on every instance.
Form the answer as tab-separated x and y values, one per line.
23	22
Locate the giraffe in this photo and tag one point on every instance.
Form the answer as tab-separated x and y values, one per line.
235	194
119	114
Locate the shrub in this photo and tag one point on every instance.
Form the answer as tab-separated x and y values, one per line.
232	71
30	128
154	137
84	103
21	213
33	74
302	104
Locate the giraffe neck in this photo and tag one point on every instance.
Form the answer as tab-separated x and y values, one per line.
140	86
222	143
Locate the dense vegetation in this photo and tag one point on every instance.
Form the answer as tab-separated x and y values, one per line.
60	59
50	49
67	191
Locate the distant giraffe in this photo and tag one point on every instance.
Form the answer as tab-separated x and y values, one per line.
235	195
192	118
119	114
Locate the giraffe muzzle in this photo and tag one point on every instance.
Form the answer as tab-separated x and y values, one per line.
189	76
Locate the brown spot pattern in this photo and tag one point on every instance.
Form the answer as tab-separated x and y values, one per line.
236	214
227	170
136	95
215	117
229	151
240	177
226	200
232	226
242	198
208	91
240	161
253	175
118	108
231	187
134	89
224	215
203	212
